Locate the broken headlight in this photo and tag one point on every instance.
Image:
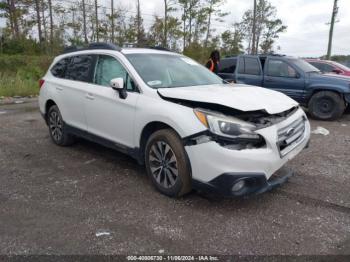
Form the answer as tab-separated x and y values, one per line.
226	126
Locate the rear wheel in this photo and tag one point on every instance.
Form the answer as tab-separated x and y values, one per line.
326	105
167	163
57	128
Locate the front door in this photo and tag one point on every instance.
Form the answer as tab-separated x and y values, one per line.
283	77
109	116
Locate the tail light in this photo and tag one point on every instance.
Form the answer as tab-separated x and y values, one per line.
41	82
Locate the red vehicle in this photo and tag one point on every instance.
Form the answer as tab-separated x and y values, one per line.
327	66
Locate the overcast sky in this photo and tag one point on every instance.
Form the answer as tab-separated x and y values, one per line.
307	33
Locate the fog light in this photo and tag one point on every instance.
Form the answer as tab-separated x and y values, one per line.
238	186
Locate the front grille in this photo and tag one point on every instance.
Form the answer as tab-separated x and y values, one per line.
290	136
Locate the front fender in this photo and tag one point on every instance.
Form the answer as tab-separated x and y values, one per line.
343	90
178	117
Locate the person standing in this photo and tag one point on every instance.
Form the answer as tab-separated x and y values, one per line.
214	62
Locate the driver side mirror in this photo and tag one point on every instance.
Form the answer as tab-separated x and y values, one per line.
117	84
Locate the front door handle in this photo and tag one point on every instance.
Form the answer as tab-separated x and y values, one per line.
59	88
89	96
269	80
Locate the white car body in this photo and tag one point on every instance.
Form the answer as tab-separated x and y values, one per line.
102	113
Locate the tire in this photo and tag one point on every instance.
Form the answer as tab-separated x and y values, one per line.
57	128
167	163
326	105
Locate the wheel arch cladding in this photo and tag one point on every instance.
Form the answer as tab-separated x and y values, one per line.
322	89
148	130
48	105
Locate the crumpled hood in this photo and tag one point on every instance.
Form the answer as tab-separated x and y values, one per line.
240	97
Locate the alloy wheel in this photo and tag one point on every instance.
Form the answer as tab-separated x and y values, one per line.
56	127
163	164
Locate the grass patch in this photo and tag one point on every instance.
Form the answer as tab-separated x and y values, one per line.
15	85
19	74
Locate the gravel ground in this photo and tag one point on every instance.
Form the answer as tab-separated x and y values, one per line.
87	199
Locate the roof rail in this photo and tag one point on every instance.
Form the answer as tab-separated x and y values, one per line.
70	49
158	47
107	46
272	54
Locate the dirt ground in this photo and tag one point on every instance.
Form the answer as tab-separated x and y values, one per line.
87	199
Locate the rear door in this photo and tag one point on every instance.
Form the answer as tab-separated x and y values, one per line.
282	76
72	89
249	70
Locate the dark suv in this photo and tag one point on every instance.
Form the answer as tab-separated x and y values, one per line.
326	96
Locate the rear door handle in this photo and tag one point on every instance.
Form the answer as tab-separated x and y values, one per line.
90	96
269	80
59	88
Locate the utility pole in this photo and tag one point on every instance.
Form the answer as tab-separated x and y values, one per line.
254	30
330	39
112	17
84	23
97	30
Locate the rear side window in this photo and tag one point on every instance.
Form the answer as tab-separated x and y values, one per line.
252	66
241	66
80	68
228	66
59	69
249	66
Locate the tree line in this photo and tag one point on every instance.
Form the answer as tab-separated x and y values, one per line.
193	27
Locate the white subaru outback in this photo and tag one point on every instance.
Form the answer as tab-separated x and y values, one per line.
170	113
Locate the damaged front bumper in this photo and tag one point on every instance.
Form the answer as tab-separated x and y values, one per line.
217	168
252	184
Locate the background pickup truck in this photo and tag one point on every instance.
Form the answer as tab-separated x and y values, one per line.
325	96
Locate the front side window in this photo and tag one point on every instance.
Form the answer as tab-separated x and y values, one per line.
319	66
280	68
79	68
167	71
59	69
328	68
108	68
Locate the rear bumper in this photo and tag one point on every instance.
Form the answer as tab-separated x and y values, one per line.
255	183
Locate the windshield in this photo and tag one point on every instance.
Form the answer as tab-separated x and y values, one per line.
166	71
304	66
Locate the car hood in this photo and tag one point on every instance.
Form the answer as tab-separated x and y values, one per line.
241	97
330	77
343	77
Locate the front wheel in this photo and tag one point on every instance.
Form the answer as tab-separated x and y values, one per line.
167	163
326	105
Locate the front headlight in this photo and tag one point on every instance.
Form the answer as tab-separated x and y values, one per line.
225	126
